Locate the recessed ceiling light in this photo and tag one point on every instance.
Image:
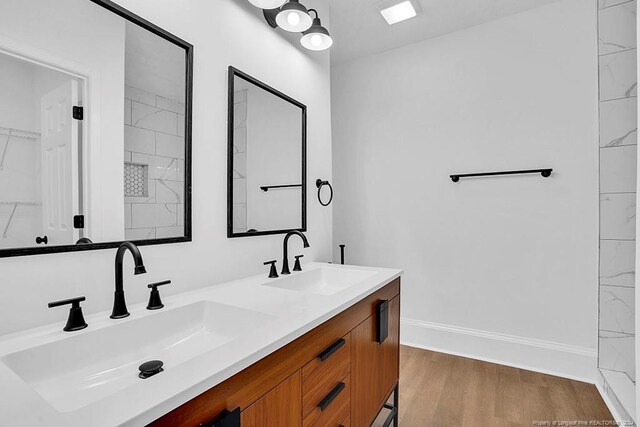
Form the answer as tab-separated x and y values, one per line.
398	12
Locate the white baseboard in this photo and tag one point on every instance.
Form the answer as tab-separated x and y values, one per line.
578	363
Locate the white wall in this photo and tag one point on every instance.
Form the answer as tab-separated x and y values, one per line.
497	268
224	32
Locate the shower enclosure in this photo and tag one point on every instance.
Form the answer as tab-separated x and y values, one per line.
618	169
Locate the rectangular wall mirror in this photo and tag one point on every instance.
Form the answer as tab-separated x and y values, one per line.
267	159
95	128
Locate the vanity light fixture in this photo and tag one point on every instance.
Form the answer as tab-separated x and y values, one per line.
267	4
394	12
317	37
294	17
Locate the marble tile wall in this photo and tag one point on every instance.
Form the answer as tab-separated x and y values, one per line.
154	136
618	169
240	162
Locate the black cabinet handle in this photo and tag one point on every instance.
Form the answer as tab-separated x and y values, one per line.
326	353
331	396
226	419
383	321
42	240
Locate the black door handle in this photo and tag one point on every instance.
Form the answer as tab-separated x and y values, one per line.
40	240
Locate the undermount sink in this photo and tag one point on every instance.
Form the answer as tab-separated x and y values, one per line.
322	281
82	369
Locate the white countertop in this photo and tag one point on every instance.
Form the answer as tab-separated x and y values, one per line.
294	314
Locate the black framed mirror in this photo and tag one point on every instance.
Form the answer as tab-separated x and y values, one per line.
267	159
95	130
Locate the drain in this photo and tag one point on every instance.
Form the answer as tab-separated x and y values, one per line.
150	368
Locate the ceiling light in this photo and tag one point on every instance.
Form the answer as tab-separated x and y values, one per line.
267	4
294	17
398	12
317	37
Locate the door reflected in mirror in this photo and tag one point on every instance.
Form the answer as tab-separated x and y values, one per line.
94	132
267	159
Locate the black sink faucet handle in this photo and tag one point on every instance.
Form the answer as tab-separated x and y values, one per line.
273	272
155	303
75	322
297	266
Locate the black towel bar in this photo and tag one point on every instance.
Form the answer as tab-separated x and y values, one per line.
544	172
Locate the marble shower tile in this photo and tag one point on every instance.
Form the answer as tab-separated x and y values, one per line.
169	146
618	167
170	105
181	125
619	122
166	232
240	190
239	96
608	3
160	167
139	95
139	140
152	118
169	191
617	262
154	215
127	112
240	216
618	77
617	28
240	139
617	309
180	209
127	215
617	352
240	115
618	216
239	165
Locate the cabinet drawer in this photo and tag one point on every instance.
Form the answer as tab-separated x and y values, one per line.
336	409
324	372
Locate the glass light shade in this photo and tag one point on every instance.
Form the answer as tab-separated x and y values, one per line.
317	37
267	4
294	17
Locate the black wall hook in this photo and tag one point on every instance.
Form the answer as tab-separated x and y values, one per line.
320	183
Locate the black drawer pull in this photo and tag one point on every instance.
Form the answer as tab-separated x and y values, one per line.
326	353
226	419
332	395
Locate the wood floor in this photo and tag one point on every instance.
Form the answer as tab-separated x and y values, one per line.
440	390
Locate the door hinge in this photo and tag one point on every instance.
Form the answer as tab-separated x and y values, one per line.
78	221
78	112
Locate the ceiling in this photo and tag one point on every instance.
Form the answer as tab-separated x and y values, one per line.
358	29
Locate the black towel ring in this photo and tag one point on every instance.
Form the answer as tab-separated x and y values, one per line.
320	183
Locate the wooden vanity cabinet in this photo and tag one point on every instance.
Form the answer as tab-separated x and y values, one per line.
338	374
374	366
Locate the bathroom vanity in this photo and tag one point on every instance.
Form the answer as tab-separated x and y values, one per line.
315	348
338	374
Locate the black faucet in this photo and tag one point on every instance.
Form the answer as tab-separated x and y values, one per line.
285	251
119	305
